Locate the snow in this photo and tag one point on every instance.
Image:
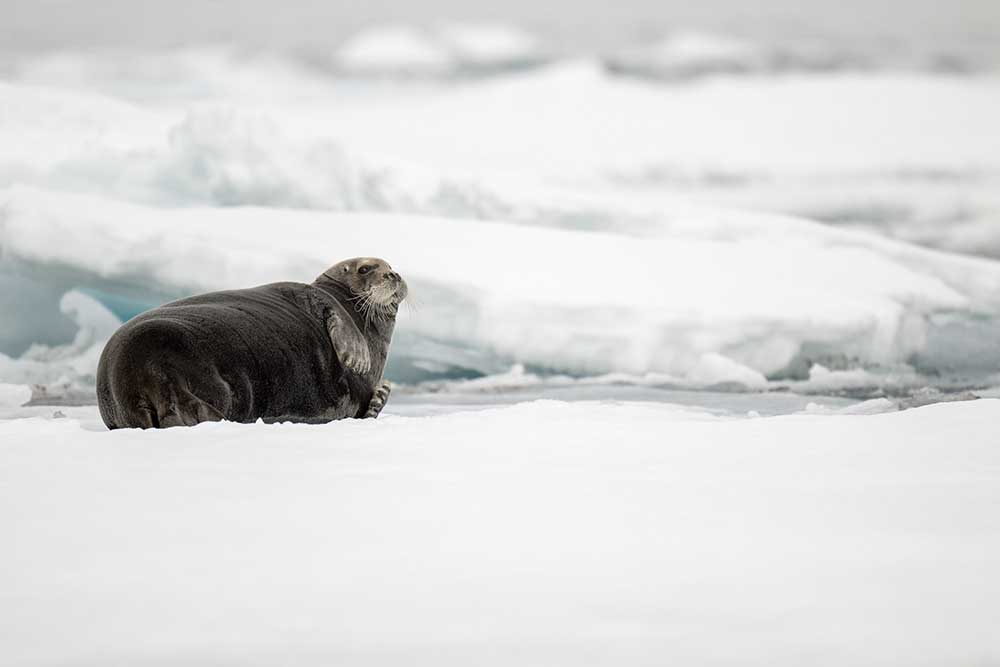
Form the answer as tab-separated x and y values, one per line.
689	54
705	305
40	126
143	196
177	76
663	377
14	395
393	49
442	50
543	533
490	45
913	157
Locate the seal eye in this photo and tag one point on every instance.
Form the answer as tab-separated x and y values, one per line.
364	269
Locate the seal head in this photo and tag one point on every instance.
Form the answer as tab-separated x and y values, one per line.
376	289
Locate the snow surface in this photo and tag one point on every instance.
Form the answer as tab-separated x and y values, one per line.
14	395
543	533
909	156
442	50
498	173
690	54
632	250
711	303
393	49
490	45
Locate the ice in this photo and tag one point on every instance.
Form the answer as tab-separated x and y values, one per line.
659	180
678	312
595	150
446	49
64	371
14	395
393	50
225	157
177	77
42	126
490	46
688	373
542	533
689	54
713	302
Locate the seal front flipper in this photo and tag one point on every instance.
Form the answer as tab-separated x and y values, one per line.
378	400
348	342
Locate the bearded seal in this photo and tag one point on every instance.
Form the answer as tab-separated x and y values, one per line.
280	352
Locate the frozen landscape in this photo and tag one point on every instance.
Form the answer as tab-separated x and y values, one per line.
700	363
544	533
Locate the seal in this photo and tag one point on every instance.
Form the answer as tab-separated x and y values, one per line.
280	352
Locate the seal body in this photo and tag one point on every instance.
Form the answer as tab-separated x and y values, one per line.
279	352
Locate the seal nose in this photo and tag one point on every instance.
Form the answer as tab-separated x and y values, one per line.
392	275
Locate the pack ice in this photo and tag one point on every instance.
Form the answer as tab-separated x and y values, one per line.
704	304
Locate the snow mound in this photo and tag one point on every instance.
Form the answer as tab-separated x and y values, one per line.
689	54
41	126
490	46
398	50
444	50
14	395
734	302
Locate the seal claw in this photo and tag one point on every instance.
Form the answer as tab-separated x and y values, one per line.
378	400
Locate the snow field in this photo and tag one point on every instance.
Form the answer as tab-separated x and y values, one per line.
586	533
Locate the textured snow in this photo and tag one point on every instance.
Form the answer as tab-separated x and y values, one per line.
393	49
504	195
909	156
707	305
486	45
446	49
544	533
689	54
622	267
14	395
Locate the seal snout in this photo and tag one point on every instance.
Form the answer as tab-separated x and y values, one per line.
399	286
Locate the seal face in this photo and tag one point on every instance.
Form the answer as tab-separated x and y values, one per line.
278	352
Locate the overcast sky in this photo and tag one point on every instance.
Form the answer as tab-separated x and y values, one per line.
33	24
